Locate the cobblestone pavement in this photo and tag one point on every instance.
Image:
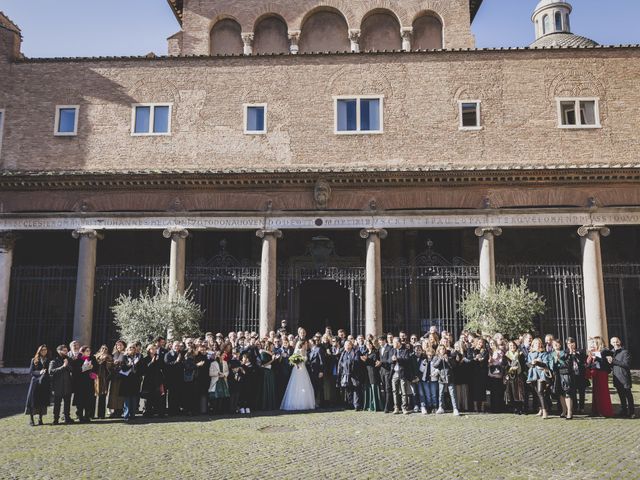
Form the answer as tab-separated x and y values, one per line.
320	445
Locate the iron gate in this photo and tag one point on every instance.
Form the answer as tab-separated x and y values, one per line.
291	279
561	287
41	301
113	281
229	296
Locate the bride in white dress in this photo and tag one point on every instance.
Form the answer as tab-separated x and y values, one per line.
299	394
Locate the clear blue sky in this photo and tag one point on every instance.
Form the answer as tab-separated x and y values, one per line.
61	28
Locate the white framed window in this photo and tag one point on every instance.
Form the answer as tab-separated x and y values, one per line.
66	123
151	119
1	128
359	114
255	118
578	113
469	111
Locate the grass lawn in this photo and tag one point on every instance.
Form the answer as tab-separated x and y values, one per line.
320	445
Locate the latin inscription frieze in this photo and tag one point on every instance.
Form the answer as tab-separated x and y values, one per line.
414	221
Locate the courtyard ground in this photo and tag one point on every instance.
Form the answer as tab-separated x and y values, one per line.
320	445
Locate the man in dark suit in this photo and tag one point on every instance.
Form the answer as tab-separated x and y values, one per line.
620	359
401	376
386	372
315	363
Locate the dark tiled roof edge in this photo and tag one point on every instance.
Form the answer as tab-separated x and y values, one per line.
310	54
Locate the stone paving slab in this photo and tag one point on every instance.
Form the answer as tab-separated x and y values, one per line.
320	445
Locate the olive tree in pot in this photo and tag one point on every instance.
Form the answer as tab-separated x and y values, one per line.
507	309
150	315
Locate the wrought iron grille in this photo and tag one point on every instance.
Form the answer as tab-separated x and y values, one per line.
561	287
41	302
229	295
113	281
415	298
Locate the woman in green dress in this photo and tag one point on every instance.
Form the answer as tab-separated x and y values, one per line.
371	360
268	385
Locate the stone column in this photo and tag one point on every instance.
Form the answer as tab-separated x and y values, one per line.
406	33
268	279
487	262
7	242
247	39
373	281
86	278
294	38
594	302
354	37
177	259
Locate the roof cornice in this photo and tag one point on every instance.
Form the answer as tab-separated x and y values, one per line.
166	58
264	178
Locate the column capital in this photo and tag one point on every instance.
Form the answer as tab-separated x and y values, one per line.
87	233
603	230
482	231
369	232
406	32
247	38
265	232
354	34
294	38
7	241
175	233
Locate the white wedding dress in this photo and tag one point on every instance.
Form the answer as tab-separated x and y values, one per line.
299	394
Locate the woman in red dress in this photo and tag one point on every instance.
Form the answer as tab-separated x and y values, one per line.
598	370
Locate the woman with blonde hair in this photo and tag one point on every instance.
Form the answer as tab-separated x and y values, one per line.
598	370
539	373
105	372
115	402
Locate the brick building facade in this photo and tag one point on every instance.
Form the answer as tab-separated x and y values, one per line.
463	139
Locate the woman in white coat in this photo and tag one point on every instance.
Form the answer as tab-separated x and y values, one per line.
218	388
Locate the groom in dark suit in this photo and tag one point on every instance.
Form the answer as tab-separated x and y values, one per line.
315	364
386	372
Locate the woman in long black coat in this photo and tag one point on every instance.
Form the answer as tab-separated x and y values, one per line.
39	387
153	383
479	356
85	395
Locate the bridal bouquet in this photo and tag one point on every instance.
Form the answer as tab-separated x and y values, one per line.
296	359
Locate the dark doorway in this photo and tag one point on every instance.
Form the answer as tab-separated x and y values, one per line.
324	303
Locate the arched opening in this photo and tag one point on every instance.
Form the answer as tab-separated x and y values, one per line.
427	33
380	31
226	38
546	24
558	22
324	303
271	36
325	31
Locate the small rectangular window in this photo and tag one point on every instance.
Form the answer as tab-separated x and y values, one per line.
470	115
255	119
358	114
151	119
66	122
578	113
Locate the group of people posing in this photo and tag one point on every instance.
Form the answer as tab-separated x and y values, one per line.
241	373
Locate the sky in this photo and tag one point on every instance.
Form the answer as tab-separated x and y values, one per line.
84	28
